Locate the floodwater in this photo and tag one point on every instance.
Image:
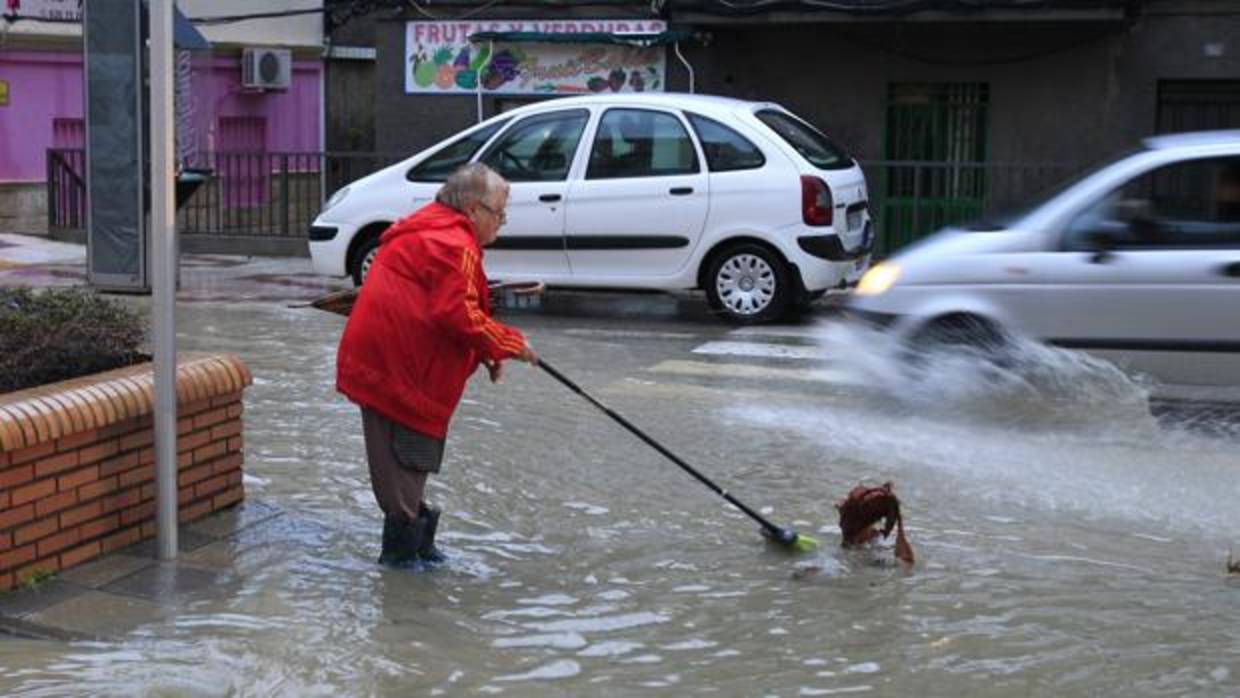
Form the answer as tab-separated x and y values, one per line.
1067	542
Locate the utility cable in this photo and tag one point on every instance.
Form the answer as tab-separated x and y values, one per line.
891	7
470	13
229	19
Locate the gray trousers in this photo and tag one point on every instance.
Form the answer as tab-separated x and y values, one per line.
400	460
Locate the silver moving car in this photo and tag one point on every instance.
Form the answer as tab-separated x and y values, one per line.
1137	261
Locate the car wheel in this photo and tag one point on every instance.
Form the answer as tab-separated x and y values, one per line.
748	284
363	258
961	332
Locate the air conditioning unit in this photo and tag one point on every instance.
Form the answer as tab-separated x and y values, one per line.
266	68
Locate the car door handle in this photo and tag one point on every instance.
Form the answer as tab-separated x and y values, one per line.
1232	269
549	198
680	191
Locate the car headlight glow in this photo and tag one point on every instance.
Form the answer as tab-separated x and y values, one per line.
878	279
335	199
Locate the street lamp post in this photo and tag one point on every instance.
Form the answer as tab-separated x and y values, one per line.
163	273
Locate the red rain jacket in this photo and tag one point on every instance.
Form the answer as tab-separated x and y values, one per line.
421	323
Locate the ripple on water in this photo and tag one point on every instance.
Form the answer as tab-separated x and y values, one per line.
550	600
559	641
692	644
226	621
611	648
586	508
529	612
559	669
603	624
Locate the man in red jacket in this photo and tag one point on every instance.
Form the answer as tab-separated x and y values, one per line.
420	327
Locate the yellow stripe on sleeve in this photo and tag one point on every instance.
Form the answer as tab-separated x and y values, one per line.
496	335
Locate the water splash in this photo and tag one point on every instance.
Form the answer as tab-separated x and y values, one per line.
1042	428
1031	384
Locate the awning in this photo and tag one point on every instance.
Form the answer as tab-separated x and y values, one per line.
638	40
185	36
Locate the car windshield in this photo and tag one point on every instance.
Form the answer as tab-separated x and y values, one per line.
1005	214
806	140
439	165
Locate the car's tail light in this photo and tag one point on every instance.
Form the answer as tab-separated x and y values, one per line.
816	202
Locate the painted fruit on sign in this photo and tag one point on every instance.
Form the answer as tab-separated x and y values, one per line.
467	79
491	80
615	80
445	77
483	54
501	69
423	73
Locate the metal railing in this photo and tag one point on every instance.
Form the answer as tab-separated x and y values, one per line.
66	189
247	194
910	199
277	195
269	194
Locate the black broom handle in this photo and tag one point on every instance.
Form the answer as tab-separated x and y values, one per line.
772	528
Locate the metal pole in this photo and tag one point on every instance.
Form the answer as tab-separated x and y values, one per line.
163	273
285	201
327	59
681	56
481	69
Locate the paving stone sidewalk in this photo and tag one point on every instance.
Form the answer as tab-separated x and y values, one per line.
110	596
29	260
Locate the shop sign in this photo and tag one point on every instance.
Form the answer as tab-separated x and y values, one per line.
45	9
439	59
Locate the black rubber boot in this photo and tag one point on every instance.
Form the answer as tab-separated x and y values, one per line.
428	522
401	542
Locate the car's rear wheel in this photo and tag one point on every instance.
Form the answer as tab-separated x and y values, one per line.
748	283
364	258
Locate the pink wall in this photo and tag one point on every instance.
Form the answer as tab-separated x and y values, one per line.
292	115
44	86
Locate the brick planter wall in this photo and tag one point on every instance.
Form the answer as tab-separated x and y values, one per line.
77	461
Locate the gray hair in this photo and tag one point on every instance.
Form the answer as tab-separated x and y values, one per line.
470	184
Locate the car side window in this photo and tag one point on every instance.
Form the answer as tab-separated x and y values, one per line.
538	148
1186	205
438	166
808	141
641	143
726	150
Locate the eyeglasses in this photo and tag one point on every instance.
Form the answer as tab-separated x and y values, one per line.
500	216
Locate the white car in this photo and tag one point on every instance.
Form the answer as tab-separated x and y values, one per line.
643	191
1137	260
